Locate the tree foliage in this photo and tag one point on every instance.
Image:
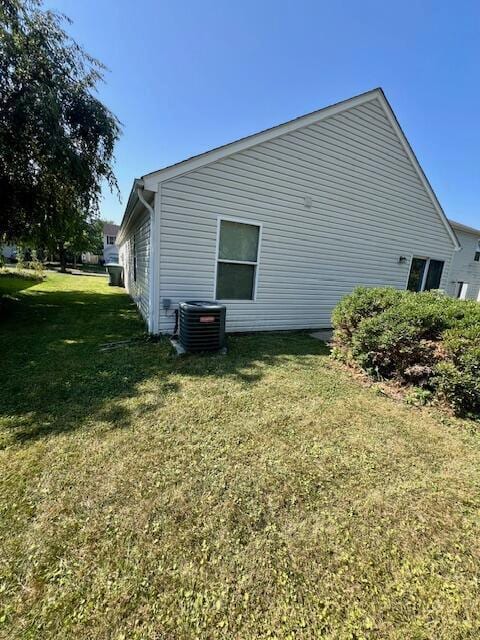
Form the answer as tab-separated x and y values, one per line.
56	138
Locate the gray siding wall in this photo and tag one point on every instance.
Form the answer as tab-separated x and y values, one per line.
139	289
368	209
464	268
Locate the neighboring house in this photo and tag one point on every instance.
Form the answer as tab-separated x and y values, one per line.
110	249
464	280
9	252
280	225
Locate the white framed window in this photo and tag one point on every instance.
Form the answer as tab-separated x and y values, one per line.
111	239
477	253
462	288
237	259
425	274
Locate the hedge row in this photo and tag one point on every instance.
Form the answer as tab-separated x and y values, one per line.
22	274
424	339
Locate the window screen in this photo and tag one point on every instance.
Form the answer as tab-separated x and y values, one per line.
237	260
434	275
416	274
418	280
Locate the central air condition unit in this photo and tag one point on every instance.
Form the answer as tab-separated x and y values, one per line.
201	325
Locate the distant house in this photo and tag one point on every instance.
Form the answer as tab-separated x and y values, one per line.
280	225
110	249
8	252
464	281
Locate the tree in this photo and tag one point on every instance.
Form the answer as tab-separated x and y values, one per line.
56	137
76	234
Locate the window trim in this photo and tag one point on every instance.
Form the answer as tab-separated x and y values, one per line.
460	290
256	264
476	255
425	271
112	238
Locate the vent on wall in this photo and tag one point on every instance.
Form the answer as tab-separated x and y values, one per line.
201	325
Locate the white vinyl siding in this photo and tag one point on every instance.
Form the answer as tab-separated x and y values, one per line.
138	235
464	267
368	208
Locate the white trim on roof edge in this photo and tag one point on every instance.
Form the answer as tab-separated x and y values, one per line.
416	165
152	181
464	227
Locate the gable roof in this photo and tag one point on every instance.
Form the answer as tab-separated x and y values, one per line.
110	229
151	181
464	227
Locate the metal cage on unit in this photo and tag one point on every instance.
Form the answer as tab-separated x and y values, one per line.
201	325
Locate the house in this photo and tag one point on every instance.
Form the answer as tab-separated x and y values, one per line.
8	252
464	281
110	249
280	225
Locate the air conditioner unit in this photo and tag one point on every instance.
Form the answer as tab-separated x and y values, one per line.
201	325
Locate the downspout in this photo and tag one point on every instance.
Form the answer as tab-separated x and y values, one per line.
152	284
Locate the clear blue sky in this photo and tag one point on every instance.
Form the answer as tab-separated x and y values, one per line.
188	76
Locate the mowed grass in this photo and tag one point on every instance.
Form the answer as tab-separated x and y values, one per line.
262	494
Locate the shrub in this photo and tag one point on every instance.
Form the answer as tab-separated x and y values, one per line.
425	339
22	274
457	378
20	257
35	263
352	309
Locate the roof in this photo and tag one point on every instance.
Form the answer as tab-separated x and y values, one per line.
110	229
463	227
150	181
298	122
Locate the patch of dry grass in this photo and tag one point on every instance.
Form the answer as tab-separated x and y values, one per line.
265	494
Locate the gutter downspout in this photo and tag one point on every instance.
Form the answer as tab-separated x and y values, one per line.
152	270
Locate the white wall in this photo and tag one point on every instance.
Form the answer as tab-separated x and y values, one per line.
368	209
464	268
139	288
110	253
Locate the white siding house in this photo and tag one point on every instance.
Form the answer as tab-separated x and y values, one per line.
281	224
464	280
134	255
110	249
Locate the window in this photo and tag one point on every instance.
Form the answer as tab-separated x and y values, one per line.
237	260
477	253
425	274
462	290
134	258
111	239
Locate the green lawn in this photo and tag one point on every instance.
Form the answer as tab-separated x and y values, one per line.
262	494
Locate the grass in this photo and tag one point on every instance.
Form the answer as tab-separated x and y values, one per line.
14	280
265	494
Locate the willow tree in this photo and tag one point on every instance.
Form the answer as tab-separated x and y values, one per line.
56	137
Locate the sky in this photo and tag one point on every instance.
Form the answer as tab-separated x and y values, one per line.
186	76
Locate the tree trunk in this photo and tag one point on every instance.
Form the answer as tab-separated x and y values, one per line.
63	258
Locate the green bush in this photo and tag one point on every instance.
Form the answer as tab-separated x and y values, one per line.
22	274
457	377
425	339
352	309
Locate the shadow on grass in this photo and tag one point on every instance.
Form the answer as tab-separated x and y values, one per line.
62	372
11	285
